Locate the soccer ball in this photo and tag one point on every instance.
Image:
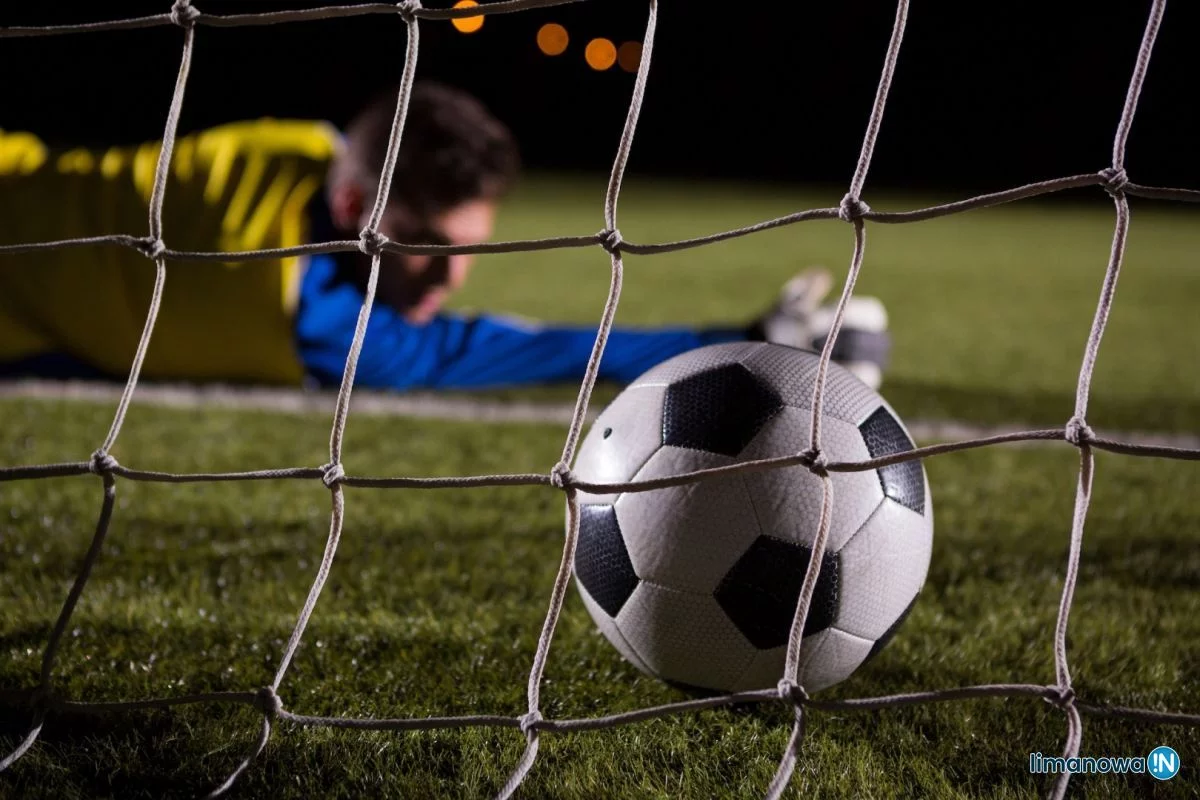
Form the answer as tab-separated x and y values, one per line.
697	585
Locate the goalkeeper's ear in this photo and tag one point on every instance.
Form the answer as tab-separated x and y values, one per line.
347	202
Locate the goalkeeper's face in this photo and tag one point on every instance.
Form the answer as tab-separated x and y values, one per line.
419	285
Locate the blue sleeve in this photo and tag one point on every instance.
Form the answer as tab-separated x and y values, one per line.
461	352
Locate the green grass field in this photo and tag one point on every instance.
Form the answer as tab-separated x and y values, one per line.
989	310
436	597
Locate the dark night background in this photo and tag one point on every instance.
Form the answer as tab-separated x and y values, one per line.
986	95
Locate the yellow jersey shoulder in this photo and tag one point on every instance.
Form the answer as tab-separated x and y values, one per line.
238	186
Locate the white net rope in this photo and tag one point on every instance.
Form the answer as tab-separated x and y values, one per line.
532	724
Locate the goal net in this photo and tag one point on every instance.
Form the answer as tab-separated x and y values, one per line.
532	724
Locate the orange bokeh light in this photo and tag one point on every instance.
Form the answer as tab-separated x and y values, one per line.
467	24
600	54
552	39
629	56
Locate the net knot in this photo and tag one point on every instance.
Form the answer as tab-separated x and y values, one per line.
816	462
793	692
102	463
372	242
334	474
1061	696
268	702
852	208
152	247
408	9
610	240
530	721
183	15
1078	432
1114	179
560	476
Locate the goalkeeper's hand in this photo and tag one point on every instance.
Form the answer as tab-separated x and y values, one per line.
799	319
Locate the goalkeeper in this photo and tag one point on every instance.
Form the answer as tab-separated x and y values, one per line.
79	311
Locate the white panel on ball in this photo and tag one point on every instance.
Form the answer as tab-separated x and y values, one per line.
686	537
684	637
612	633
883	567
788	501
826	658
634	428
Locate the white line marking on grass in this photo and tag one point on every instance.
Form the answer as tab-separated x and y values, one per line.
457	408
298	401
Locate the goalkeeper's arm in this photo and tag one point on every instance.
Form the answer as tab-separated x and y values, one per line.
462	352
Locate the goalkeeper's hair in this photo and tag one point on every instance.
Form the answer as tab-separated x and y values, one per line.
452	150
